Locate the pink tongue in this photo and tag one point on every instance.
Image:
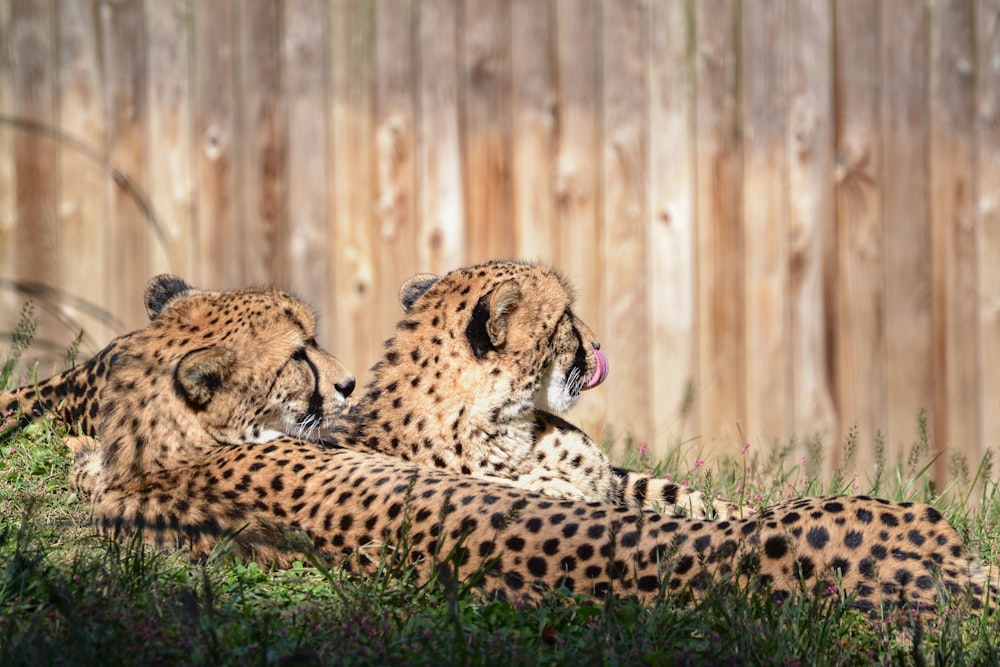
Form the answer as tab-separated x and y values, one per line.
600	373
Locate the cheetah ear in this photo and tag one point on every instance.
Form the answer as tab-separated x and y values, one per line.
201	372
161	290
490	318
414	288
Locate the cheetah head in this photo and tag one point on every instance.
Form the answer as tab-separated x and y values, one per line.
240	366
516	320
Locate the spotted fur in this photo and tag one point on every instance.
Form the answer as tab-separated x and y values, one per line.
240	366
73	397
469	383
273	501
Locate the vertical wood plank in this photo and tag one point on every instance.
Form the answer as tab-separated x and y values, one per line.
812	230
352	191
127	107
533	129
672	217
83	240
10	300
860	325
721	376
442	220
215	148
579	250
765	44
307	244
626	233
32	99
169	28
953	242
395	142
905	203
486	89
988	170
262	177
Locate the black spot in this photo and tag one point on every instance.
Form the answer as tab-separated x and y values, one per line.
853	539
841	565
537	566
888	520
817	537
864	516
776	547
790	518
515	543
649	583
684	565
916	537
932	515
804	567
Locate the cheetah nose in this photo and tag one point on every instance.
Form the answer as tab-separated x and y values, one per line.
601	372
345	388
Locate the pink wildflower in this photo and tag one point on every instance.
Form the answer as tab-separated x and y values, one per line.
642	448
746	447
698	463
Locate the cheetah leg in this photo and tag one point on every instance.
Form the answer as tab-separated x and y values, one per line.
88	460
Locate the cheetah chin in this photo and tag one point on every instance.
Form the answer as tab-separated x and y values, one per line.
559	391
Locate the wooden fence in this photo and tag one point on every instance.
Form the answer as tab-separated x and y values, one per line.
782	216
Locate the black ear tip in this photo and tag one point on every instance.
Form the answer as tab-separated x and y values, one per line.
161	290
414	288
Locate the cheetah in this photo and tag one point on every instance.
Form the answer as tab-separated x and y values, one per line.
259	343
73	397
433	408
277	500
469	383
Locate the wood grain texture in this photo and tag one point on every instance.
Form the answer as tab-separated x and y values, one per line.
904	128
486	160
170	31
351	195
216	146
308	248
395	162
82	176
954	247
262	176
780	215
988	171
442	221
126	103
626	220
811	221
860	280
578	215
721	380
765	40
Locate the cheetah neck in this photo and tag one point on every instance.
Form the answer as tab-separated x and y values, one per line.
449	413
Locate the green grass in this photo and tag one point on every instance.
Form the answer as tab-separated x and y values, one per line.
69	597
